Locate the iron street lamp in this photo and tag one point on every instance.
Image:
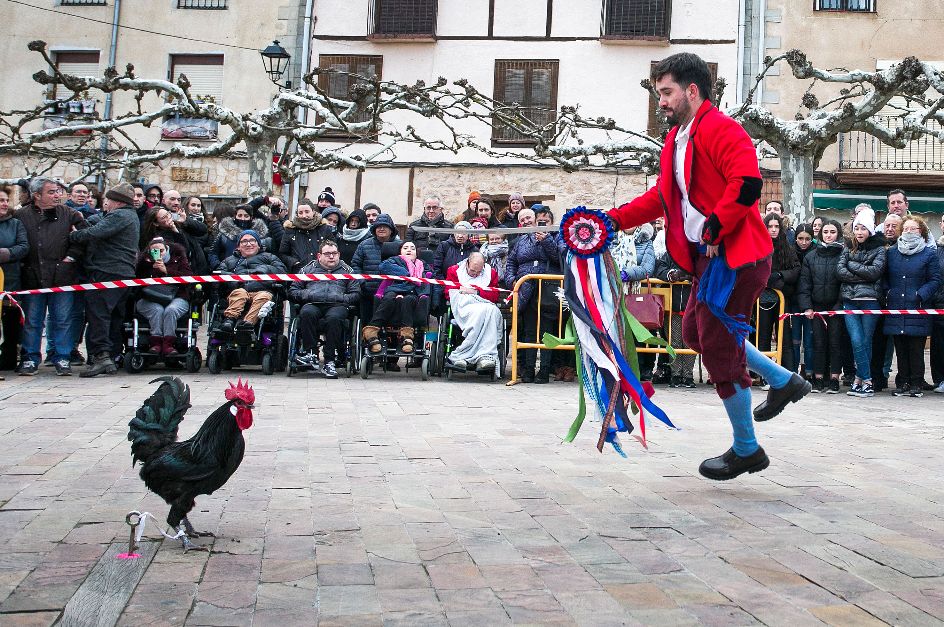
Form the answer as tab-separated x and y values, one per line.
276	60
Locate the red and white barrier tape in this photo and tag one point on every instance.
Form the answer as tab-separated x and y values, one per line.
223	278
870	312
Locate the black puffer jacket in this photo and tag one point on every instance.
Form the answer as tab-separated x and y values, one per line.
368	256
428	241
260	263
449	253
346	292
819	280
300	245
861	272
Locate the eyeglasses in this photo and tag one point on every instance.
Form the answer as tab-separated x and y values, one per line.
330	254
247	242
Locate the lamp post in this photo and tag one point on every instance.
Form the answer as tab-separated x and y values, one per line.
276	60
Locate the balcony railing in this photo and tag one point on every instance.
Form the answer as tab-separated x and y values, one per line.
70	113
75	3
201	4
861	151
402	19
647	20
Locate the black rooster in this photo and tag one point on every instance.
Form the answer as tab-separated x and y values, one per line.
179	471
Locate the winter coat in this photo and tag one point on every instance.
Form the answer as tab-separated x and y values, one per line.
346	292
111	245
273	223
645	266
939	296
300	246
912	282
260	263
449	253
48	235
396	266
228	232
530	256
723	182
348	240
367	257
783	279
428	241
819	279
177	265
191	235
14	247
862	272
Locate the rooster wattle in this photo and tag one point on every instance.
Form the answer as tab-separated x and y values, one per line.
179	471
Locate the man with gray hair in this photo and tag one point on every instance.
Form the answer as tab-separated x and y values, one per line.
51	262
432	217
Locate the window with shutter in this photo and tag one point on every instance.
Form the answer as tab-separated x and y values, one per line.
205	73
201	4
76	3
636	19
657	126
530	85
338	84
856	6
400	19
74	108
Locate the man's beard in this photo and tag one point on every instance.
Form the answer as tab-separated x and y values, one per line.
675	118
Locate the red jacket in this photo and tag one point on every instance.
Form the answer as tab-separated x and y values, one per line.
724	184
452	274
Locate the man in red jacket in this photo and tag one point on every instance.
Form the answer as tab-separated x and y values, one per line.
708	189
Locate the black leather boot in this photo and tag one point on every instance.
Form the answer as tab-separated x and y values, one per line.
795	389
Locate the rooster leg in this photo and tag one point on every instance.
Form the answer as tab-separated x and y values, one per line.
188	545
193	533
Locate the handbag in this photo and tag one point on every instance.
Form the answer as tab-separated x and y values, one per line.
646	307
155	295
550	304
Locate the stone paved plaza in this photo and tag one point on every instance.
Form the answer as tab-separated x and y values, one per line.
393	501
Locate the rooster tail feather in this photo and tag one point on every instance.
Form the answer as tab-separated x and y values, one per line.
154	425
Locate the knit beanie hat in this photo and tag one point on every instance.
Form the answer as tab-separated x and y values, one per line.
254	234
462	224
473	196
328	195
123	193
516	196
866	218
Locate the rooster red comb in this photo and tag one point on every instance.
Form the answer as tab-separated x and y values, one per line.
241	391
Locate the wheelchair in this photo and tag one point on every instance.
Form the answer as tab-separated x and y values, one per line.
450	337
264	344
137	333
352	332
390	351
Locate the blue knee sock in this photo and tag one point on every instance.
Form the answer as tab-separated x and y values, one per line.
776	375
742	421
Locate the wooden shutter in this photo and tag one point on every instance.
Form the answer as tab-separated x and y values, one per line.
405	17
82	64
204	71
637	19
657	126
339	85
533	85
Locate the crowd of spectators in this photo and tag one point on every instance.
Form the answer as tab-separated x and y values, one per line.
61	235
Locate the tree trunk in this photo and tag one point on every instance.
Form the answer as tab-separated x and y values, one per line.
259	155
796	175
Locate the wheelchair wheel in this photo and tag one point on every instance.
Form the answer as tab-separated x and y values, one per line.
268	363
134	363
215	361
194	360
281	354
366	366
424	369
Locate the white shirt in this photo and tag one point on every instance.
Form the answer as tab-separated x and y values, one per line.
694	220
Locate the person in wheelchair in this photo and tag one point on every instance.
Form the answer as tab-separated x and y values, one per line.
474	310
163	305
248	259
400	303
324	309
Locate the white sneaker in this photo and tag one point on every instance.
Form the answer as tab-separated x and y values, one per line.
940	388
459	363
486	364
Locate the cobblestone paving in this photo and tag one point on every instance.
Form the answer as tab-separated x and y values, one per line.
392	501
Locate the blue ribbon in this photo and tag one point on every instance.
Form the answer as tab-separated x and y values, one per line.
714	290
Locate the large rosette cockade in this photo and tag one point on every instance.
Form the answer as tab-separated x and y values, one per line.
603	332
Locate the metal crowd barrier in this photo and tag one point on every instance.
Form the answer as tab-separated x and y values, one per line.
658	287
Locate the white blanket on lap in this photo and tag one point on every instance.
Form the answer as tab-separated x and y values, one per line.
479	319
